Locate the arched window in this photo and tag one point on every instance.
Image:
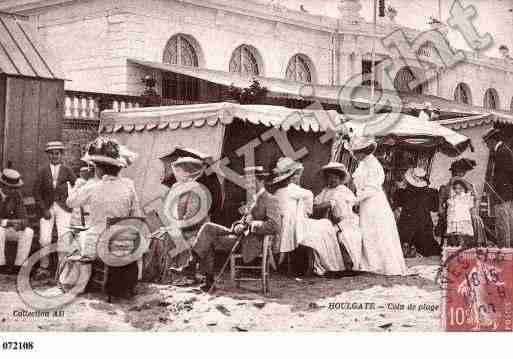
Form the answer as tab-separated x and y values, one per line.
462	94
491	99
299	69
402	81
180	51
244	61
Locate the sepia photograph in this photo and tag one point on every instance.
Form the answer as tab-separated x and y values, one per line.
228	166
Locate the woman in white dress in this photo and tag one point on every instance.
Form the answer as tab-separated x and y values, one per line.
382	251
340	200
296	204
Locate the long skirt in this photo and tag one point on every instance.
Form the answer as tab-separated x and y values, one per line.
320	235
382	251
350	237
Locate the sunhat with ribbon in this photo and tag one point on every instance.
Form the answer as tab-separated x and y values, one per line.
11	178
108	151
285	167
336	167
416	177
359	143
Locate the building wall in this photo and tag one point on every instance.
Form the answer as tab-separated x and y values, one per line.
94	38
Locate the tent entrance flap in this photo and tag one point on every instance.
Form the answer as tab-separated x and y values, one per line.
148	170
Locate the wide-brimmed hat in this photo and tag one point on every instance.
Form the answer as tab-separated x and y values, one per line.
359	143
188	160
108	151
285	167
416	177
336	167
54	145
463	165
11	178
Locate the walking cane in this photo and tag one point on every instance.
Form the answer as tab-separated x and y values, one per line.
239	239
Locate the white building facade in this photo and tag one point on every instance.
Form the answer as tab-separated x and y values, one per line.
94	38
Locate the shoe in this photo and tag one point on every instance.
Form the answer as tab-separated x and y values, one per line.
349	273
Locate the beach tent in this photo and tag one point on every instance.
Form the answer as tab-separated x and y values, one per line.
233	135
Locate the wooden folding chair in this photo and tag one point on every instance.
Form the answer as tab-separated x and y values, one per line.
267	261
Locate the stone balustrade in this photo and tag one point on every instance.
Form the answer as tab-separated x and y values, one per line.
80	105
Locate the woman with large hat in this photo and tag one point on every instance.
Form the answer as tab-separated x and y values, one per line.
296	205
414	205
111	196
382	251
339	201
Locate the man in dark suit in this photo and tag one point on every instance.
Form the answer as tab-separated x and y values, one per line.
13	218
501	186
51	193
263	218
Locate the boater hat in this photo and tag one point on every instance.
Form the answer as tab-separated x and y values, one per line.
11	178
336	167
54	145
359	143
416	177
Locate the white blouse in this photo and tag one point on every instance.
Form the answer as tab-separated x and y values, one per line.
368	178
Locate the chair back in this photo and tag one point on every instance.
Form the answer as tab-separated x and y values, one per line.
125	246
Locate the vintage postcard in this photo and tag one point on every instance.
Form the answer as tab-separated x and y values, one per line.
255	166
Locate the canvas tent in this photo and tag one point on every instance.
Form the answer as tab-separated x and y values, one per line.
231	134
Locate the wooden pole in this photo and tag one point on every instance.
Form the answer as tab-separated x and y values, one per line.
373	58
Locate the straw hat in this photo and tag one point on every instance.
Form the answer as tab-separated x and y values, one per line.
336	167
416	177
191	160
54	145
11	178
285	168
359	143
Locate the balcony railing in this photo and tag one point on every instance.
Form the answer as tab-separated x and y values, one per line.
81	105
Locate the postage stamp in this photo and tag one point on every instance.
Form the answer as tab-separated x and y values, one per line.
477	289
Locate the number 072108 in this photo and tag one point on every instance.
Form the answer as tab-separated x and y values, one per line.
13	345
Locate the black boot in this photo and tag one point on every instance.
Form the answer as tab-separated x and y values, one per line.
209	282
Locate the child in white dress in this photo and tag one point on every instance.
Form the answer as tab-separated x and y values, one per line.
459	219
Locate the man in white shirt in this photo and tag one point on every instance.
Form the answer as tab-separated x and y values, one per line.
51	193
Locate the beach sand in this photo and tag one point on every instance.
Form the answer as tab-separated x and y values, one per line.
362	303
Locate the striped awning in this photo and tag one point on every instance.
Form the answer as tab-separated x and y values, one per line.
22	53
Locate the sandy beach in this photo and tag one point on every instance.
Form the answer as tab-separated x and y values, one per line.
363	303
